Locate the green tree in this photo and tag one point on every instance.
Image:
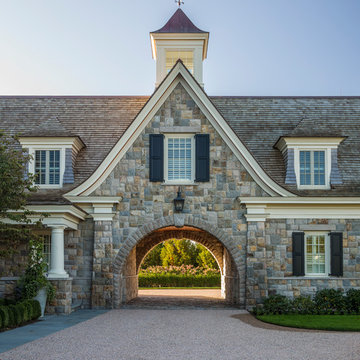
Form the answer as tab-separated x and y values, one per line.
153	258
15	188
205	258
178	252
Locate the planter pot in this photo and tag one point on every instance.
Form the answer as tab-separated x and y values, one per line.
41	298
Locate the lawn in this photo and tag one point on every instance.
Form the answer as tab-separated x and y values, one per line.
319	322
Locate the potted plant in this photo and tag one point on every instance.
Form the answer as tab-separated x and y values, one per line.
34	283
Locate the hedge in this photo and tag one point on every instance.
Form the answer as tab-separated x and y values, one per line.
178	280
325	302
15	314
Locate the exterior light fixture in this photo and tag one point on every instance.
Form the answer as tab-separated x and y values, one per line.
179	202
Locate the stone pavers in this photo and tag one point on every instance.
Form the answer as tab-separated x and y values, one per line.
45	326
135	334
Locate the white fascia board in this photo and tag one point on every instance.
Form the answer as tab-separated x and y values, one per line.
204	37
312	142
259	209
300	200
72	141
147	113
94	199
58	209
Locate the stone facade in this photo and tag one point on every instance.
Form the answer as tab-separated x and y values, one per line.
63	297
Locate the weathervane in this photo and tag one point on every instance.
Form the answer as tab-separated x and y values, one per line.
179	2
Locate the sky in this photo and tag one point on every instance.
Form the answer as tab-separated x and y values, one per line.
256	47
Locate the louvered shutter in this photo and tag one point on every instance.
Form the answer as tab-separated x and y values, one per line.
336	249
298	254
156	157
202	157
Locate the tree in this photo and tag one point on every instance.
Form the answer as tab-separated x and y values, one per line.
178	252
153	258
205	258
15	187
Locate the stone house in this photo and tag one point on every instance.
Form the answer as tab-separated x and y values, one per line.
270	184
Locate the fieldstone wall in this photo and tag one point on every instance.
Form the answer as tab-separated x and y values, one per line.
7	286
103	257
63	297
279	256
78	251
144	201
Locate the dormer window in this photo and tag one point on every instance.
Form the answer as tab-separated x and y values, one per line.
312	167
47	167
52	159
187	57
311	163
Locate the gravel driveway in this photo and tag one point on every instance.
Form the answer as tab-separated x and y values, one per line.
135	334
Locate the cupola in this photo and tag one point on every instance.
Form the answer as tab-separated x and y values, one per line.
179	38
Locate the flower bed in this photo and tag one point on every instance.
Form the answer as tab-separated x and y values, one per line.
179	276
14	314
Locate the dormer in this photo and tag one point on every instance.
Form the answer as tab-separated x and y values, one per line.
179	38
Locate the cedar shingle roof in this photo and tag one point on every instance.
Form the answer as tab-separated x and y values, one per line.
179	23
261	121
258	122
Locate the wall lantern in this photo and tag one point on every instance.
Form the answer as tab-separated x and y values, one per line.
179	202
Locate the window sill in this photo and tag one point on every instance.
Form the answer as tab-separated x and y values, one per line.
41	187
314	187
180	184
307	277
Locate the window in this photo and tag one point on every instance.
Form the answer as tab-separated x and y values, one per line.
312	167
47	167
179	158
187	58
316	254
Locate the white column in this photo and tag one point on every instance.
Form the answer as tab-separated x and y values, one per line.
57	253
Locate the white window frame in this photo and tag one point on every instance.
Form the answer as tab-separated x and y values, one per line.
327	253
327	152
47	168
62	164
166	159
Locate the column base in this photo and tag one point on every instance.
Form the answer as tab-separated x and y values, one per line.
55	276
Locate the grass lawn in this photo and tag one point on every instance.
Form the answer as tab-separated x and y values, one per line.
171	288
319	322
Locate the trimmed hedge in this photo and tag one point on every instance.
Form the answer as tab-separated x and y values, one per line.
325	302
13	315
178	280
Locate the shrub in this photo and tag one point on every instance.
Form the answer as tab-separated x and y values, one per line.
20	308
17	318
303	305
29	309
352	301
330	301
4	315
11	313
36	309
277	304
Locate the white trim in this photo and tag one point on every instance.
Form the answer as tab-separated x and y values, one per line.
327	155
327	253
166	159
94	199
261	209
147	113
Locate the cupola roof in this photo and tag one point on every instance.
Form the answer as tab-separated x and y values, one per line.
179	23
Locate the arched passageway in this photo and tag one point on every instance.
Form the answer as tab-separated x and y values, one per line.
127	263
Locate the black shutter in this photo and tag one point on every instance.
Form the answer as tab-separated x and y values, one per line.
156	157
336	248
202	157
298	254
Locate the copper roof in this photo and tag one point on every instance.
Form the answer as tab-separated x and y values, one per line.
179	23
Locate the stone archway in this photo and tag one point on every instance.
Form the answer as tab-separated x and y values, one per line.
227	254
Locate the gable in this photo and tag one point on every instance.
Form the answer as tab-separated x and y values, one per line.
180	74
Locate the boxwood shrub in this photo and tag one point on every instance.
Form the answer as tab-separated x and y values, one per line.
325	302
17	314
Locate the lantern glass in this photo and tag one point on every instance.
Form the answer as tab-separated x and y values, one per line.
179	202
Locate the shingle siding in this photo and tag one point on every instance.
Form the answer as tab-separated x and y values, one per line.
290	167
69	172
335	176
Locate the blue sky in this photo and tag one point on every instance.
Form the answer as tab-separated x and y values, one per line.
257	47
